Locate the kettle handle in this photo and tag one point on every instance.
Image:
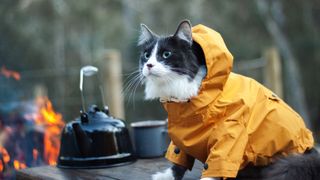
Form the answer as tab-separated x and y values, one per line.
89	71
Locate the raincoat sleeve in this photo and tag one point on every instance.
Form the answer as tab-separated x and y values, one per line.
226	147
176	156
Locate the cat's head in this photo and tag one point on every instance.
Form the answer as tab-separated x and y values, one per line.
169	64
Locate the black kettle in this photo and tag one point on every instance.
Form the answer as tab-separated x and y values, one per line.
95	139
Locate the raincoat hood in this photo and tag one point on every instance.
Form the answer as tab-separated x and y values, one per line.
233	120
218	63
217	57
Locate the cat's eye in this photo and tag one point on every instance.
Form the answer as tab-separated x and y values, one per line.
146	55
166	54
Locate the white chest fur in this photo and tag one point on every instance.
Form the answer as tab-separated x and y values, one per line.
173	85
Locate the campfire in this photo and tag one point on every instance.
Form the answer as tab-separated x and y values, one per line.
29	134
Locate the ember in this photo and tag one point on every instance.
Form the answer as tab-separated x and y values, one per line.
4	159
9	73
35	154
18	165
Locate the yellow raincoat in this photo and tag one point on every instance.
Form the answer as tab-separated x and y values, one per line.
233	121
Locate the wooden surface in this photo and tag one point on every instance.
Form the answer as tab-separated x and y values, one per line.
139	170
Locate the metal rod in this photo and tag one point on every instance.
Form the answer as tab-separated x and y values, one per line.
89	71
81	90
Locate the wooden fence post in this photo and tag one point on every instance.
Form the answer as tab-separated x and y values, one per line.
272	72
112	72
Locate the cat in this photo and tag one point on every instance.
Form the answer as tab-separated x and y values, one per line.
174	70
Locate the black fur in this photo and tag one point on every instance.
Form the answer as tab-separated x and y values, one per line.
178	171
294	167
146	47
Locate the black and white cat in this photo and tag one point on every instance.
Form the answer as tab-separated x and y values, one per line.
172	68
176	64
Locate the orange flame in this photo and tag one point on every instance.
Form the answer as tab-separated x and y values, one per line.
5	158
35	154
53	123
19	165
9	73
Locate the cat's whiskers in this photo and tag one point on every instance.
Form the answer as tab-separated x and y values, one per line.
136	85
132	90
129	79
132	87
131	73
132	82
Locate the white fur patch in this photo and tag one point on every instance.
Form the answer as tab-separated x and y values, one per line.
171	84
166	175
210	178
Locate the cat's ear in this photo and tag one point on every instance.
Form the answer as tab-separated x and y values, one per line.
145	35
184	31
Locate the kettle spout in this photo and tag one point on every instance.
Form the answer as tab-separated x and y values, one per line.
82	140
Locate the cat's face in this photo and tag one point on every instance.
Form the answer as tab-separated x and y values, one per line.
165	56
167	62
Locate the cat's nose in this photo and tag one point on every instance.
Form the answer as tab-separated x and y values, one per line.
149	66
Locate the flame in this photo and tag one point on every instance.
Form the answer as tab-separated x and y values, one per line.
19	165
1	166
9	73
53	123
35	154
5	158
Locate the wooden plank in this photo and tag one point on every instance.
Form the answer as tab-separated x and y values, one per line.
140	170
